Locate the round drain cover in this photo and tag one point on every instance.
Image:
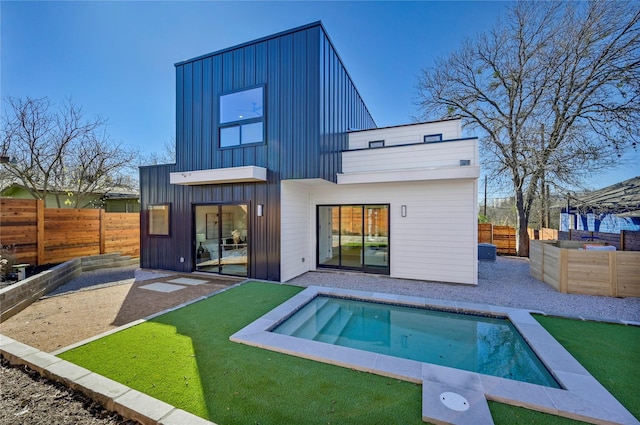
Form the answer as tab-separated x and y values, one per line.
454	401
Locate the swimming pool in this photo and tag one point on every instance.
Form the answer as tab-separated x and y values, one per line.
475	343
450	394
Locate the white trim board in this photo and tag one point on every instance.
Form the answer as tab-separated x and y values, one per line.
219	176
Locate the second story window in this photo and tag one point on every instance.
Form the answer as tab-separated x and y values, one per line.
242	117
431	138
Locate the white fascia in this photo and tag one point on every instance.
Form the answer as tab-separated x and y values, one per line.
417	174
247	174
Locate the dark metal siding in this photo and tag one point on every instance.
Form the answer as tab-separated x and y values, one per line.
341	110
310	104
165	253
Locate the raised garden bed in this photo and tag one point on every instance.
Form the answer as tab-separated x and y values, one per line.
570	269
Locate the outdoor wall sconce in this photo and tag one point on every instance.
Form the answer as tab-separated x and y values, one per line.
260	210
403	210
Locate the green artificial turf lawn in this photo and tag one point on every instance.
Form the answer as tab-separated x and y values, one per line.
185	358
608	351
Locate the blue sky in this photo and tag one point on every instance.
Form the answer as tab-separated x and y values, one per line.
116	58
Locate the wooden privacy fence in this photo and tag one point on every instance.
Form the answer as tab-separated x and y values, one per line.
54	235
543	234
569	269
503	237
624	241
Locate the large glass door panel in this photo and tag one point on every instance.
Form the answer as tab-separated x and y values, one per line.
234	240
329	236
351	236
354	237
221	239
376	240
206	238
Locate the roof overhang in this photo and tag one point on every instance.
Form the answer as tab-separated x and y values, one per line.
420	174
248	174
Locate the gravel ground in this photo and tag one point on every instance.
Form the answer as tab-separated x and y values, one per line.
26	398
505	282
95	279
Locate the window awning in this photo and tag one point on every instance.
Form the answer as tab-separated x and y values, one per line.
248	174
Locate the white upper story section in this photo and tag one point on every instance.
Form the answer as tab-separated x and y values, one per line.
406	134
414	152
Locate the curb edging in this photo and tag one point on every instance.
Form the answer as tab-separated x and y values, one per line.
112	395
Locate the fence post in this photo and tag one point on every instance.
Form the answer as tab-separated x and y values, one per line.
622	238
40	237
613	274
563	267
103	227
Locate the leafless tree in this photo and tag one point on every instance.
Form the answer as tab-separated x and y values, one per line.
166	156
48	150
553	91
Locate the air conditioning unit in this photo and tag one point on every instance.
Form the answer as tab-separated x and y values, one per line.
486	251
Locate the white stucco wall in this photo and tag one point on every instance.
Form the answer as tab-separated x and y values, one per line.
296	228
409	157
437	240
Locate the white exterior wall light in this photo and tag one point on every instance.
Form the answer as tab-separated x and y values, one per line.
403	210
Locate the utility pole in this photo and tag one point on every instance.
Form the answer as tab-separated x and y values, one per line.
548	215
485	196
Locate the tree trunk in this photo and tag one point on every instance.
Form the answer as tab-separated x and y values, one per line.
523	240
522	236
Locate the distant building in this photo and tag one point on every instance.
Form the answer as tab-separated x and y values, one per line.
118	200
609	210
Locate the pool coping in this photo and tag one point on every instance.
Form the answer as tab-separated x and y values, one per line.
582	396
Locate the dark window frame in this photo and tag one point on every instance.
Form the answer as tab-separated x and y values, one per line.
150	222
376	144
364	268
427	138
239	124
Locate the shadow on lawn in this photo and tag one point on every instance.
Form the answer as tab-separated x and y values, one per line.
140	302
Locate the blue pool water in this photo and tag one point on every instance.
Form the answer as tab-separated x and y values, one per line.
480	344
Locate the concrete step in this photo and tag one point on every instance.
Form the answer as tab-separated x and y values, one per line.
306	322
334	328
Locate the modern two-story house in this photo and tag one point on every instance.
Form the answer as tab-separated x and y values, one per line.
280	170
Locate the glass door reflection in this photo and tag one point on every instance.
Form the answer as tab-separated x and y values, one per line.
351	236
234	240
354	237
376	239
221	239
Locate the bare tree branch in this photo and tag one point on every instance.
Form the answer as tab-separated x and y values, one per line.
553	90
52	151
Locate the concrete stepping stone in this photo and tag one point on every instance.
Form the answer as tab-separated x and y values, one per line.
162	287
187	281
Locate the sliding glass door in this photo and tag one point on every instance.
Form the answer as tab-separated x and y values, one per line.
221	239
354	237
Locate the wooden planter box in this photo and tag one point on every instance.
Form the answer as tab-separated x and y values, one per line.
562	265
